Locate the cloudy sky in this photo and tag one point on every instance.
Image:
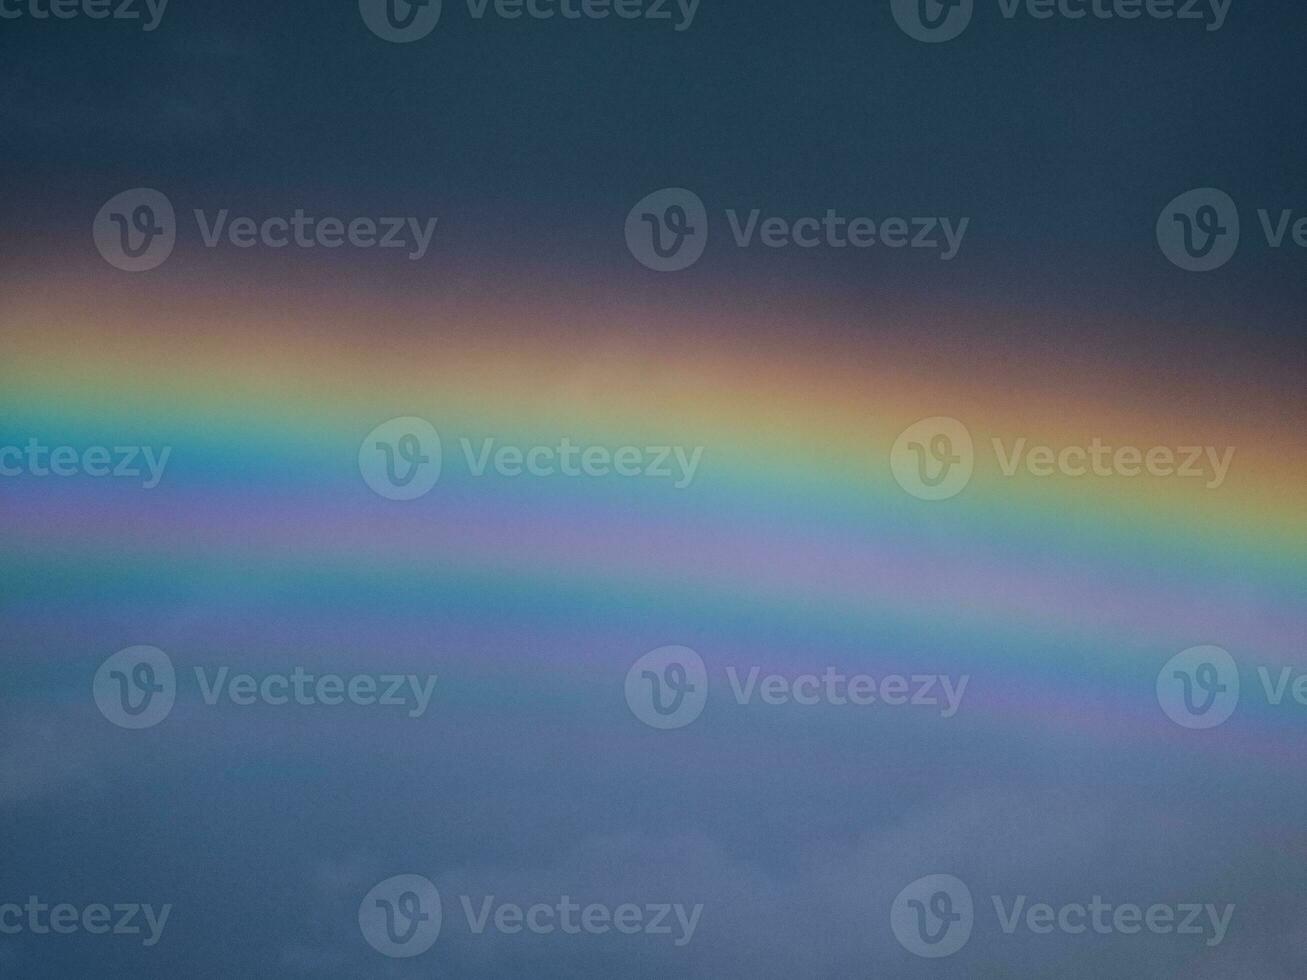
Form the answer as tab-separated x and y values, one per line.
1049	750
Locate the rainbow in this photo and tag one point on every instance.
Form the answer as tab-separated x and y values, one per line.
794	544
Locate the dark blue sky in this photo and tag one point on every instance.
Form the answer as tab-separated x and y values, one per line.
1061	141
